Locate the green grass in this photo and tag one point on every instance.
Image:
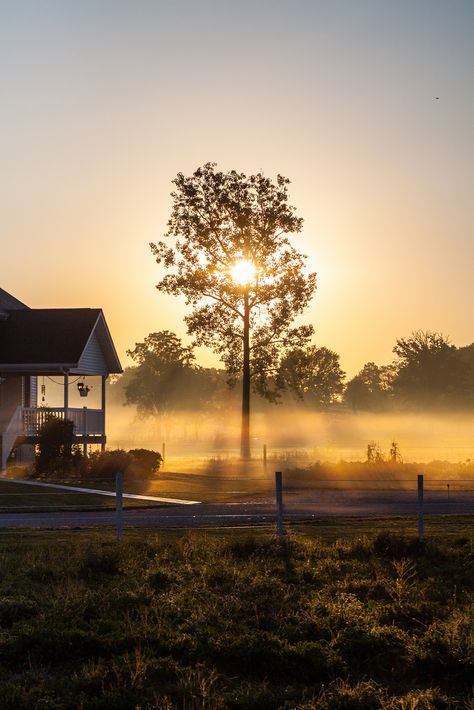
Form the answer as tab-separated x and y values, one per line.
17	498
339	616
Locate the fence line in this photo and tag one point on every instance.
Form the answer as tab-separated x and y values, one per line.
289	504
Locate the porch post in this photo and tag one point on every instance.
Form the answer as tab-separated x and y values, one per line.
66	394
84	431
104	380
3	458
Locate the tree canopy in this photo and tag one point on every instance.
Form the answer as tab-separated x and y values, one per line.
313	374
429	371
166	378
370	388
232	260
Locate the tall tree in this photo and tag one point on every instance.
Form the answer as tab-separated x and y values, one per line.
233	262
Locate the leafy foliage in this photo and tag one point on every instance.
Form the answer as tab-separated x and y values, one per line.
429	370
217	219
56	449
166	379
370	388
136	463
313	373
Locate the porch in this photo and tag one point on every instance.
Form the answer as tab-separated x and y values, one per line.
25	425
86	421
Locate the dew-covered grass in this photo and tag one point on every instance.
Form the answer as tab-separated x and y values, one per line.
234	619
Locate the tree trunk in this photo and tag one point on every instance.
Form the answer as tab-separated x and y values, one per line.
245	435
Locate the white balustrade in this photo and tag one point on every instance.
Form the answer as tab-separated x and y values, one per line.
86	421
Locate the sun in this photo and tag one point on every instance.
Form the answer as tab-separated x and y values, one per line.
243	272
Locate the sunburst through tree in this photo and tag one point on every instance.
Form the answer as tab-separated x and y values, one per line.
232	260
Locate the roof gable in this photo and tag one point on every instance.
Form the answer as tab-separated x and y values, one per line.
92	359
99	355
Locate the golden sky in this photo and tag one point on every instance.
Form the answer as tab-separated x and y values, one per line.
104	101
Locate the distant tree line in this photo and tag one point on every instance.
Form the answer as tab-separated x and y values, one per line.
428	372
166	380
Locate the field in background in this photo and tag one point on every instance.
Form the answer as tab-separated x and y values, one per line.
298	435
313	450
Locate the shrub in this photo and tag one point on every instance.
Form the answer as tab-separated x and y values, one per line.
137	463
105	464
145	461
56	450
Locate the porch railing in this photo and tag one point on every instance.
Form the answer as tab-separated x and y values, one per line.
86	421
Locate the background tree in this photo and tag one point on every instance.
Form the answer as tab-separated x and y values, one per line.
166	378
466	356
429	371
370	388
313	374
234	264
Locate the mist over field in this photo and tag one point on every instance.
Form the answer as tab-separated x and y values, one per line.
294	432
288	430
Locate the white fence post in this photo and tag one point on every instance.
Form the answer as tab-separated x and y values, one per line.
421	522
119	504
279	504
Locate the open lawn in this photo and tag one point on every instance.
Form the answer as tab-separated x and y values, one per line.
18	497
337	617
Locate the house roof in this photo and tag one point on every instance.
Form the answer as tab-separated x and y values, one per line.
9	302
53	339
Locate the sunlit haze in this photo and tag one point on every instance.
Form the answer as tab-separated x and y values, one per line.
243	272
366	106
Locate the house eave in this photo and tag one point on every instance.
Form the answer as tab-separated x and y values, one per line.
45	368
72	368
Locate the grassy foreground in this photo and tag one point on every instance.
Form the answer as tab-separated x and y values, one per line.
218	620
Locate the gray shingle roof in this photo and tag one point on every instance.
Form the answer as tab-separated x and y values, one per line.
8	302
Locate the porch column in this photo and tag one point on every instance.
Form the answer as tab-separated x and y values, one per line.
3	457
84	431
66	394
104	380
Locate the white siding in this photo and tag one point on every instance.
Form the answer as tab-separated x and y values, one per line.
92	361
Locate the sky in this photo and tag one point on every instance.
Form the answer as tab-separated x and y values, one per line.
366	105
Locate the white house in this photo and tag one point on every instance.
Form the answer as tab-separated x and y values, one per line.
64	343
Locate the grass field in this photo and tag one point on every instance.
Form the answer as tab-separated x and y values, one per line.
339	616
17	497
